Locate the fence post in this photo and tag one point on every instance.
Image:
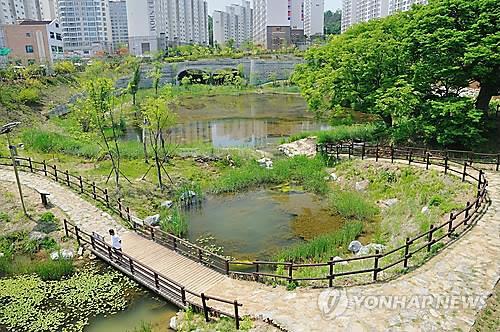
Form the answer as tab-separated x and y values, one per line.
205	309
131	264
200	256
392	153
337	150
349	151
376	152
55	173
465	171
45	168
183	295
157	280
466	213
479	182
81	183
446	164
450	224
257	272
128	215
120	207
330	277
31	164
375	265
93	191
428	159
407	250
77	234
152	232
363	151
236	315
498	162
106	196
68	183
409	156
429	238
92	242
290	272
66	228
227	266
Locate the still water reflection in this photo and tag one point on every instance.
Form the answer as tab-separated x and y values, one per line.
253	120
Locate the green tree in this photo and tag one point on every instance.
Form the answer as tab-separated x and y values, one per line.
133	85
332	22
158	118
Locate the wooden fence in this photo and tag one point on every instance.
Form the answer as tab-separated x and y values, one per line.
401	256
150	278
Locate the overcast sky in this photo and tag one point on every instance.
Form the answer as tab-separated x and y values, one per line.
221	4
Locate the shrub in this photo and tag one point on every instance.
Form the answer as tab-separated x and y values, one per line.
64	67
28	96
53	270
364	132
4	217
48	217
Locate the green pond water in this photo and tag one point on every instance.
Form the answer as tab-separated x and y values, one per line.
252	120
146	308
256	224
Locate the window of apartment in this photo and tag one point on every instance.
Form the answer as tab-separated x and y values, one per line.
28	34
58	36
59	49
53	48
31	61
52	35
29	48
57	25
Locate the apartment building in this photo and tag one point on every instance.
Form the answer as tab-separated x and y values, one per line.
313	11
356	11
155	24
34	41
86	26
48	9
119	23
13	10
236	23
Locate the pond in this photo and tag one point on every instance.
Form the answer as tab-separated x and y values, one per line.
249	120
147	309
256	224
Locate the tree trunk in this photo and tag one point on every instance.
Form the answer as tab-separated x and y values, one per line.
486	92
158	170
144	143
387	118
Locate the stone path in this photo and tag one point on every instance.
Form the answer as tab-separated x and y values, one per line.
468	267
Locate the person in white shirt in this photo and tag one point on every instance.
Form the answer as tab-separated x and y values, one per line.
116	243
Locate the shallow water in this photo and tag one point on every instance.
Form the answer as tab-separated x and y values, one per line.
256	224
147	309
252	120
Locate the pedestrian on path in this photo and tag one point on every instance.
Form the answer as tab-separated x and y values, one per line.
116	243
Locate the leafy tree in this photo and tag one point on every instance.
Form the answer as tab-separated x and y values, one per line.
64	68
332	22
158	118
133	85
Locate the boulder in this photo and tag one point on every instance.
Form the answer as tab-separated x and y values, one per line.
167	204
152	220
425	210
265	162
354	246
54	255
389	202
371	249
301	147
334	177
37	236
67	254
362	185
338	258
80	251
173	323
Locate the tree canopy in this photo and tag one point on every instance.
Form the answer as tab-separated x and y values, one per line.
411	69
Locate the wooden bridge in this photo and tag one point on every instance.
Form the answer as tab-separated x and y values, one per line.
183	272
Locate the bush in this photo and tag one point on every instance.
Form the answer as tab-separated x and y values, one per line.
28	96
48	217
4	217
64	67
365	133
53	270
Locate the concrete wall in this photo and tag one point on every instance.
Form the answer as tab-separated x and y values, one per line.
257	71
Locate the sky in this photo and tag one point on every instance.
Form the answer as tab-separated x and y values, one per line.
221	4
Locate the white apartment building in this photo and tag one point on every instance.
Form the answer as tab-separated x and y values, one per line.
356	11
119	23
155	24
278	23
14	10
86	26
235	23
48	9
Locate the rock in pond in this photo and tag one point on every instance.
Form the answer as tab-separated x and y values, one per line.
167	204
354	246
173	323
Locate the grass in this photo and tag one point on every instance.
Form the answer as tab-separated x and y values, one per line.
361	132
489	317
352	205
324	246
303	171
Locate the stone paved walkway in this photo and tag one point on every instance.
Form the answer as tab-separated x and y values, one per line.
469	266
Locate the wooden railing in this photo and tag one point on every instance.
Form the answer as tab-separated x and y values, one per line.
150	278
89	189
457	223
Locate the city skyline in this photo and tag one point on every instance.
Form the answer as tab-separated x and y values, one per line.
221	4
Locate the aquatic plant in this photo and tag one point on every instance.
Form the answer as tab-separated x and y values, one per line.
352	205
360	132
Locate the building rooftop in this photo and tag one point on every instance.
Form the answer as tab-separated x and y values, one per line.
33	22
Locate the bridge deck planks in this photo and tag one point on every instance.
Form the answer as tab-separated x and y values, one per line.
186	272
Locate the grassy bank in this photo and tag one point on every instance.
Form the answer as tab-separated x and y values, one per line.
360	132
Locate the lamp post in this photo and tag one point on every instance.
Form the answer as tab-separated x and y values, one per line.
7	129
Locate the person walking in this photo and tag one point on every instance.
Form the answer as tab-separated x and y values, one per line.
116	243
